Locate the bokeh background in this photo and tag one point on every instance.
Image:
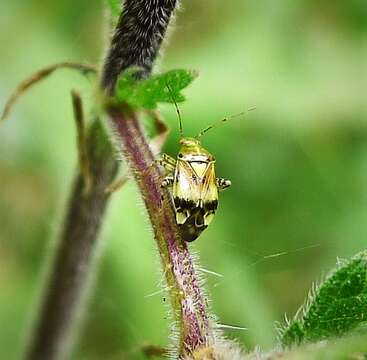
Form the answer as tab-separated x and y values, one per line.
298	163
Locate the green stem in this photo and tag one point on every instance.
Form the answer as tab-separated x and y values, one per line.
66	288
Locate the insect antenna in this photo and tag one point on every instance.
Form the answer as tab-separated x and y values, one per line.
177	109
225	119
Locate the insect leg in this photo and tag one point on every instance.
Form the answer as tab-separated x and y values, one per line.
84	162
223	184
167	181
169	159
168	162
167	165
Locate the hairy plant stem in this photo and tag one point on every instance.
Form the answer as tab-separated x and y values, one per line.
137	39
189	305
66	288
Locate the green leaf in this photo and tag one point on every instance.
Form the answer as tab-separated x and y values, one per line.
294	334
338	306
158	88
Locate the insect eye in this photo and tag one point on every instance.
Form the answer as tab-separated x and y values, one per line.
180	155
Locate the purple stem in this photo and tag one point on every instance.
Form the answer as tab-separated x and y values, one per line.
190	308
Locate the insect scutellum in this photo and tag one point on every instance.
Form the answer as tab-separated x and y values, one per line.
193	181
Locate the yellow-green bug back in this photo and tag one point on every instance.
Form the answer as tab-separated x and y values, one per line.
194	184
195	187
195	191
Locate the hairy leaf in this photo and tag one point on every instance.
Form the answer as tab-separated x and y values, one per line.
338	306
158	88
349	347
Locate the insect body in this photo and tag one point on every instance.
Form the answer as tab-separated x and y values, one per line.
194	184
194	187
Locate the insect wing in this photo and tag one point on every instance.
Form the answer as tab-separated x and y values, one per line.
195	196
186	190
209	193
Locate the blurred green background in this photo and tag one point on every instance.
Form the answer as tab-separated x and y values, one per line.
298	163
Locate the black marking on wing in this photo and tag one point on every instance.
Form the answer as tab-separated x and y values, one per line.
189	205
183	204
211	206
194	225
